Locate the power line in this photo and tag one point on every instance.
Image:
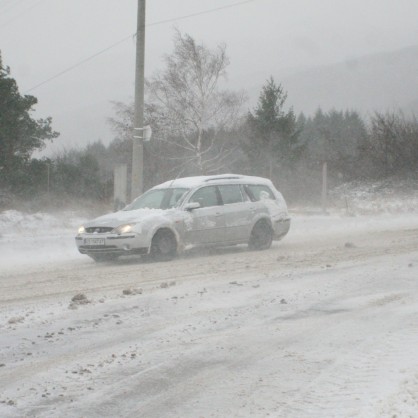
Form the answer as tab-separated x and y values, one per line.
4	3
21	14
161	22
202	13
78	64
8	6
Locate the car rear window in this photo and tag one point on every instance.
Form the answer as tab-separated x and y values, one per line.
258	192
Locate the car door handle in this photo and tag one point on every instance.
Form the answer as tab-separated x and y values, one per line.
218	214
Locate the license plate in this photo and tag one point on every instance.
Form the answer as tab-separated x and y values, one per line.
94	241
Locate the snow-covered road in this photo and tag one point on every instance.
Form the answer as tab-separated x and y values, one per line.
324	324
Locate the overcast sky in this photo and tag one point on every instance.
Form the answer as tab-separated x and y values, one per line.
42	38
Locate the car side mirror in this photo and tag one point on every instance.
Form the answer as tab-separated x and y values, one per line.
191	206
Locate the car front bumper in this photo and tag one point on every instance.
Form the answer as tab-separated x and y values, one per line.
123	244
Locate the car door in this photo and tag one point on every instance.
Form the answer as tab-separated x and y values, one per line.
205	225
237	213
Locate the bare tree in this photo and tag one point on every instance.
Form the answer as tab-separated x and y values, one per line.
394	143
193	107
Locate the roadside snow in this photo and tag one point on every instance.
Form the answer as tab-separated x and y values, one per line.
39	238
385	196
14	223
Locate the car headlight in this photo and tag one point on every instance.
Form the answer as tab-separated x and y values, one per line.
123	229
81	230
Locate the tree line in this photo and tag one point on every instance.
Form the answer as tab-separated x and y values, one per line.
200	127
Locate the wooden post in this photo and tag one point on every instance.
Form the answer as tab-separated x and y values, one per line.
324	187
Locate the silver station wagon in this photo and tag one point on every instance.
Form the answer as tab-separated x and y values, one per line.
187	212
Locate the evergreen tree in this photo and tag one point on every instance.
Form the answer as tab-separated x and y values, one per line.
20	134
272	137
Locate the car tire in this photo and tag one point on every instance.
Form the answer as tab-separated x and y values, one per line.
163	246
261	236
100	258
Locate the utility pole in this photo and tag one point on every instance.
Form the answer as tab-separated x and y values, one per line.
137	176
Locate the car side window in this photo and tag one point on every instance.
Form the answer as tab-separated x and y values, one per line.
230	193
206	196
258	192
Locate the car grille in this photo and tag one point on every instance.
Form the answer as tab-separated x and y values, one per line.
98	247
109	249
98	229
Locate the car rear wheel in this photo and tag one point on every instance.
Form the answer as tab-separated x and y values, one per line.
261	236
163	246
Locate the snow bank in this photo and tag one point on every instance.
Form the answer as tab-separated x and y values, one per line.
39	238
13	222
385	196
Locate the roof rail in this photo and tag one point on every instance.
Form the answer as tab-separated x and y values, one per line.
223	178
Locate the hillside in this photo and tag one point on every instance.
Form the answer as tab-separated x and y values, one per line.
384	81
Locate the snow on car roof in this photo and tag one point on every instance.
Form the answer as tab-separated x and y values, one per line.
190	182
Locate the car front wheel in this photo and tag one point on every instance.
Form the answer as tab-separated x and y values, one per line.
261	236
163	246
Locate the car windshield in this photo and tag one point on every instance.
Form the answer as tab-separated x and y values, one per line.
159	199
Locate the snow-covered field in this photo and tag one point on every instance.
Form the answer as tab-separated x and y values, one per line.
324	324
